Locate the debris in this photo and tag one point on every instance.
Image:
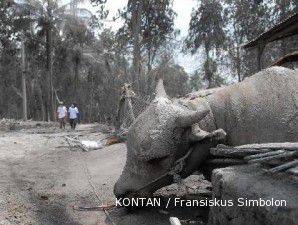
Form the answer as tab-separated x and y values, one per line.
8	124
72	142
164	212
44	197
285	145
223	162
282	156
174	221
112	140
262	155
92	144
94	208
85	145
293	171
284	166
226	151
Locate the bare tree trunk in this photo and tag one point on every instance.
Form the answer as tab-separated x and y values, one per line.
52	101
42	107
238	66
91	99
136	29
24	93
49	67
149	64
208	74
76	79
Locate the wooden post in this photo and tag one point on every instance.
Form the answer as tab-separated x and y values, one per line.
119	113
261	47
129	93
130	109
125	100
24	93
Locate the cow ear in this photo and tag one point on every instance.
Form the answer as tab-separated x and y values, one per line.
160	90
188	118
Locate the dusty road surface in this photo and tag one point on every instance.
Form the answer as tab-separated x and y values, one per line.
43	181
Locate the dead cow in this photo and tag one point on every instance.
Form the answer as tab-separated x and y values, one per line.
262	108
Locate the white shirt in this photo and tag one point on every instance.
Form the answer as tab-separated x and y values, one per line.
61	111
73	112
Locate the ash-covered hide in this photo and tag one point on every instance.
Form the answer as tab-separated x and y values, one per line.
263	108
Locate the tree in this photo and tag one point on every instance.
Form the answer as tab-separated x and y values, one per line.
9	62
76	35
174	76
79	62
245	19
206	29
158	27
196	81
42	13
20	33
148	24
28	20
281	9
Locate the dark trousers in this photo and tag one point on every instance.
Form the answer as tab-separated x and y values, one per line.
73	123
62	123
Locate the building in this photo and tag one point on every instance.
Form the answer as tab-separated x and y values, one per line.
285	29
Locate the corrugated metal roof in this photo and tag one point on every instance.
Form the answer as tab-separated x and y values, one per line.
285	28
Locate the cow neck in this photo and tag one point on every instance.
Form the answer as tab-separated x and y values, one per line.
208	123
217	103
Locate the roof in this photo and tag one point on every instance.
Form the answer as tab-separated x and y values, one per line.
292	57
285	28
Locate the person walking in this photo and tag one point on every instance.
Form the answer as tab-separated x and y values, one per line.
78	114
73	116
61	115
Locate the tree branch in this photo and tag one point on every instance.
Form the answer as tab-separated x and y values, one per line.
17	91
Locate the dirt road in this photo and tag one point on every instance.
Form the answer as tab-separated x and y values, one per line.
41	182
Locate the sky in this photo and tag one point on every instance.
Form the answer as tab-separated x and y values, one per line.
183	8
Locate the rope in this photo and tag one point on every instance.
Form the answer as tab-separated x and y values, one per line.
89	178
174	171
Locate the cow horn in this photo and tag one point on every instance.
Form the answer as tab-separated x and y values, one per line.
160	90
187	119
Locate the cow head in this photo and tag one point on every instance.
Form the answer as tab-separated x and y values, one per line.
156	139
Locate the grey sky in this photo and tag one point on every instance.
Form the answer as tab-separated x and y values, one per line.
182	7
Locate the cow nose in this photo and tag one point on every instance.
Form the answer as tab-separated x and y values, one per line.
119	190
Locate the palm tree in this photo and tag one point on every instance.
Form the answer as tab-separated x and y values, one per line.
41	13
48	17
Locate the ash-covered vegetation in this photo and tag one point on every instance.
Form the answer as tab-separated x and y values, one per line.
54	50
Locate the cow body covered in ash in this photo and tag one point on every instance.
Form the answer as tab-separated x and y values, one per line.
261	109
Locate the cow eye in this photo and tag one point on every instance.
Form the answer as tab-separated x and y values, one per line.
178	133
157	160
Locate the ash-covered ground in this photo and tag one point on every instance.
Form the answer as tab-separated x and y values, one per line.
43	181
